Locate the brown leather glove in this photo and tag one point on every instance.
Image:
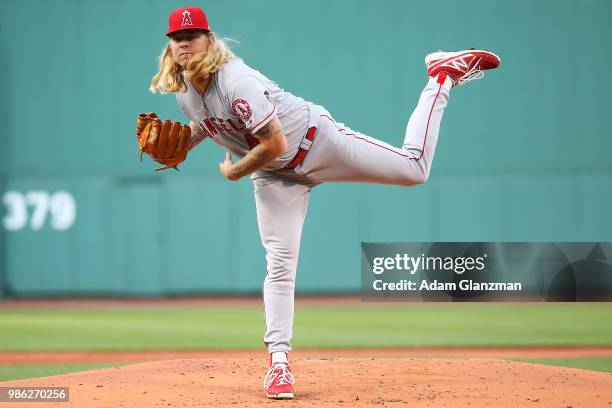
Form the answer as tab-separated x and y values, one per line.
167	142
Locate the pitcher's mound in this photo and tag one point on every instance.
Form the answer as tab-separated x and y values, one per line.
338	382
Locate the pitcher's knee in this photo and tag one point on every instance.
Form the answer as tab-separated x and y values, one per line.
279	283
281	270
421	177
417	174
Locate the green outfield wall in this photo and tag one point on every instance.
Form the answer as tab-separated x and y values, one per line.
523	155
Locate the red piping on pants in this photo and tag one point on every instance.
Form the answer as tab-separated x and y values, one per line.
441	79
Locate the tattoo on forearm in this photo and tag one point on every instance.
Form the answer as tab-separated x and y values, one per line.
197	135
268	130
255	159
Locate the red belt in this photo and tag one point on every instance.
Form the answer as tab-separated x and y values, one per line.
304	148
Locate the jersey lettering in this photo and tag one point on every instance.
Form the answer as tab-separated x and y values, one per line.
216	125
210	126
236	126
224	125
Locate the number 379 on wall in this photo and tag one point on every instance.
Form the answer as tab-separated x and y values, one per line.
35	208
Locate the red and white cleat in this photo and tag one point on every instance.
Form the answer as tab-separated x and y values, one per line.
461	66
279	381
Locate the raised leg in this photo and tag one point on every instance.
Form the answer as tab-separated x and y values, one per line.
341	154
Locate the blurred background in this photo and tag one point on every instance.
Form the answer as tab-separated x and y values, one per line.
523	155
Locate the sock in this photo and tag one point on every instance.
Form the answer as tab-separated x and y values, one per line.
444	79
279	357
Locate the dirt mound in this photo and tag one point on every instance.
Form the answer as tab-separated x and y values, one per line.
338	382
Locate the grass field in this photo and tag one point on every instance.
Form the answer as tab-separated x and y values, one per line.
359	325
19	371
338	326
587	363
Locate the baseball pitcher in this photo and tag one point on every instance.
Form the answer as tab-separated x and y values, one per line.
288	146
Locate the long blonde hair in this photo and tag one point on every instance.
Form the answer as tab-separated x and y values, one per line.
170	78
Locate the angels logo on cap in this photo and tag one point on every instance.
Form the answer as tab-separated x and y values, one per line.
187	18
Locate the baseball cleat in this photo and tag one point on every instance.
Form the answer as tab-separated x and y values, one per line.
461	66
279	381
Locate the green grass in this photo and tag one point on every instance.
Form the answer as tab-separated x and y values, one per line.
361	325
587	363
21	371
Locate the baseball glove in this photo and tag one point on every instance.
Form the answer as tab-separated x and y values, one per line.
167	142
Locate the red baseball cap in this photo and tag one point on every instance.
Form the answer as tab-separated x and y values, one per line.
187	18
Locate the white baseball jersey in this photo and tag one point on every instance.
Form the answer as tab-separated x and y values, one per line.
237	103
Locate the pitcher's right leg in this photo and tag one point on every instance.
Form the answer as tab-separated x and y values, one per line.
423	127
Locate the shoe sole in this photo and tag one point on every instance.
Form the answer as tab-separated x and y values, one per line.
282	395
441	55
